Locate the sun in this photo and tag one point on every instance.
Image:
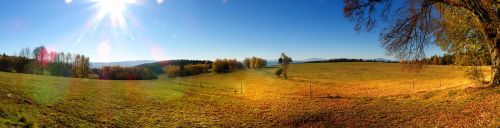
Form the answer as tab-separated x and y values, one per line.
114	9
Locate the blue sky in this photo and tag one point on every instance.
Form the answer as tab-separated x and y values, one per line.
186	29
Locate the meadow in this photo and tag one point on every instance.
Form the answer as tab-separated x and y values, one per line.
315	95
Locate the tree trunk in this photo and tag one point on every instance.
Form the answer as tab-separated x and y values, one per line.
495	65
284	68
493	35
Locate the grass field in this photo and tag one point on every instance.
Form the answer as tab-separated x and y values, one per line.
316	95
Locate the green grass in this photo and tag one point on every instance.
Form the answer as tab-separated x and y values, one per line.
343	94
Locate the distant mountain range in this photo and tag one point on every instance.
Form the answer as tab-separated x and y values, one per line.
312	59
120	63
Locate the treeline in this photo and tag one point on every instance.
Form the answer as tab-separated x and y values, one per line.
125	73
159	67
254	62
446	59
181	68
351	60
14	64
44	62
186	70
226	65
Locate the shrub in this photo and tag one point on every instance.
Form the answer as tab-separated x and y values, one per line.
475	74
278	72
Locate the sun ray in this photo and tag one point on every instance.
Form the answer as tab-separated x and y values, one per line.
115	10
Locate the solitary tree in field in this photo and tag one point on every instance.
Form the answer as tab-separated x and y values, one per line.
414	24
284	62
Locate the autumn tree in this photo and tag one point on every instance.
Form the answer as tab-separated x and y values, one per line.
255	62
45	62
247	61
80	66
76	66
415	24
195	69
125	73
41	57
226	65
172	70
260	63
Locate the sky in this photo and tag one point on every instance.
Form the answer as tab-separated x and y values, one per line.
121	30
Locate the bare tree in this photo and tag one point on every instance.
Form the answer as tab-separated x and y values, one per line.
413	24
25	53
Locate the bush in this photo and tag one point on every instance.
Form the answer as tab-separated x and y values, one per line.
278	72
475	74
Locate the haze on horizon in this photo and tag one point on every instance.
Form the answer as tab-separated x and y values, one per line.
123	30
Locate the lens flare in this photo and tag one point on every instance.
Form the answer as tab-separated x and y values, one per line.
159	1
104	49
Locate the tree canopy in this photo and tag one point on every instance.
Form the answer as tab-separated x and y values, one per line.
468	29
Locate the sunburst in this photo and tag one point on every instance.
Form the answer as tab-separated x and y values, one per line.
115	10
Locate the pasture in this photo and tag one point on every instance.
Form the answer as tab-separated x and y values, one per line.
315	95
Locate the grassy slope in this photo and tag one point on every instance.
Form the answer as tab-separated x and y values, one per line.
344	94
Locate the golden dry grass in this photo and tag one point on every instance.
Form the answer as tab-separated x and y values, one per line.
343	94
